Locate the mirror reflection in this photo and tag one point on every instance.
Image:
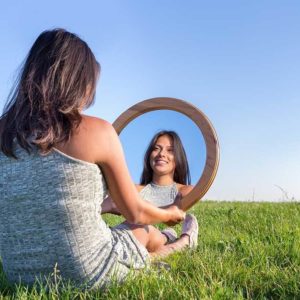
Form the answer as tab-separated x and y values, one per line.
165	153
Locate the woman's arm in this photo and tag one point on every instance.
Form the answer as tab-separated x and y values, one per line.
105	147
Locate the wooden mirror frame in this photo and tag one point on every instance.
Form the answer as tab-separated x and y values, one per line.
203	123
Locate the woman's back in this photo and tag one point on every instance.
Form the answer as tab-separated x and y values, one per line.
50	200
50	217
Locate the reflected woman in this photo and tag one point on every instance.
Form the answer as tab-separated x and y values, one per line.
166	177
165	180
166	170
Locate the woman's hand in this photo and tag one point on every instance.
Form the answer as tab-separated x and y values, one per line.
176	215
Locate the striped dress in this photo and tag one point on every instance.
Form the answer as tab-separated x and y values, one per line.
50	222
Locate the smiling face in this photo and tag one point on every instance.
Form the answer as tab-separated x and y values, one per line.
162	160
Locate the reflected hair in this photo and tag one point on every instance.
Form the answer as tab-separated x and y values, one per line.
182	171
57	80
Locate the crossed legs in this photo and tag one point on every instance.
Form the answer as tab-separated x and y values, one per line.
155	241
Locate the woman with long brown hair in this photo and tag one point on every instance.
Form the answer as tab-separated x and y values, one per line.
56	166
166	177
165	165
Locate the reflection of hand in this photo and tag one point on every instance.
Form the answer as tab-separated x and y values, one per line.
176	215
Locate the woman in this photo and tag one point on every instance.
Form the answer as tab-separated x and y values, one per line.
166	170
56	166
166	176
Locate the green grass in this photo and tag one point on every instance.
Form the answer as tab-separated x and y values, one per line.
246	251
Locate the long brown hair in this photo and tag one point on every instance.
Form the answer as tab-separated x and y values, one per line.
57	80
182	171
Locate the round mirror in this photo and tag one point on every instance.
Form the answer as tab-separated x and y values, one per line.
136	136
140	122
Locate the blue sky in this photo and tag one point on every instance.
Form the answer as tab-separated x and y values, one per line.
237	61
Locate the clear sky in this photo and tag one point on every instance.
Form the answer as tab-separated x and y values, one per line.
237	61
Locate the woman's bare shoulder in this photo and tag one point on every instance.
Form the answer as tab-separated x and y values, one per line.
90	140
96	131
98	136
94	125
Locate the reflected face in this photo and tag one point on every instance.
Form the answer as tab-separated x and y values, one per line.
162	160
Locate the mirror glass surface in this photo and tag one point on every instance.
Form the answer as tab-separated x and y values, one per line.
136	136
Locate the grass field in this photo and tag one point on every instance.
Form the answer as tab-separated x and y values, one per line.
246	251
